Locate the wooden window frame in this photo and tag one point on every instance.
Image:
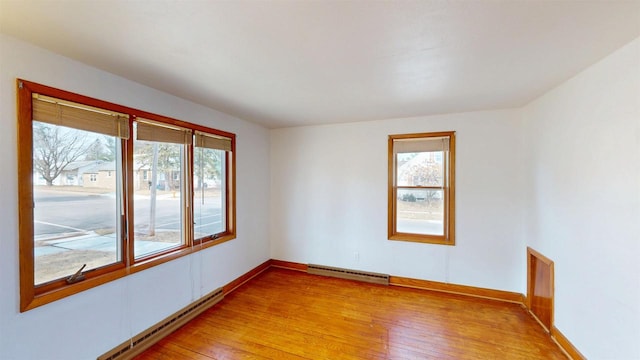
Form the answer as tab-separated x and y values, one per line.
213	238
32	296
448	238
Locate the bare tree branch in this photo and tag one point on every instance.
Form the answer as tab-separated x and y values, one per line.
55	148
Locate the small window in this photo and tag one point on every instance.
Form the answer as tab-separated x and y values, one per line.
159	216
93	177
210	154
421	204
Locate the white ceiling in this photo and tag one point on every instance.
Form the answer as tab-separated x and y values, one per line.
289	63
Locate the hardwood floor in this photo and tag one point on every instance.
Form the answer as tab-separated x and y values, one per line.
284	314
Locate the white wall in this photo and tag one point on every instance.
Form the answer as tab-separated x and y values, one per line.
583	171
329	200
86	325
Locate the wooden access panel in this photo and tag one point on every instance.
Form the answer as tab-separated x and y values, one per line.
540	287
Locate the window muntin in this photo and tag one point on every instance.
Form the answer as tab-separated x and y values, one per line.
106	127
421	187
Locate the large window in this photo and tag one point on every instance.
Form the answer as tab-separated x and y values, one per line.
421	187
106	190
76	220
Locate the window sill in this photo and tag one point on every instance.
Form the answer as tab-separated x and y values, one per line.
50	293
427	239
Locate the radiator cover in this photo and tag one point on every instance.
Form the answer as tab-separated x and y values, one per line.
349	274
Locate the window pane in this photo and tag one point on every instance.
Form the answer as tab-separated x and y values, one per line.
420	211
209	189
420	169
159	196
77	203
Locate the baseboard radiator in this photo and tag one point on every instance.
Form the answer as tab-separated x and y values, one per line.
139	343
365	276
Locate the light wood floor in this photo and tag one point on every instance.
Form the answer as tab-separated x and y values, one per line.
283	314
